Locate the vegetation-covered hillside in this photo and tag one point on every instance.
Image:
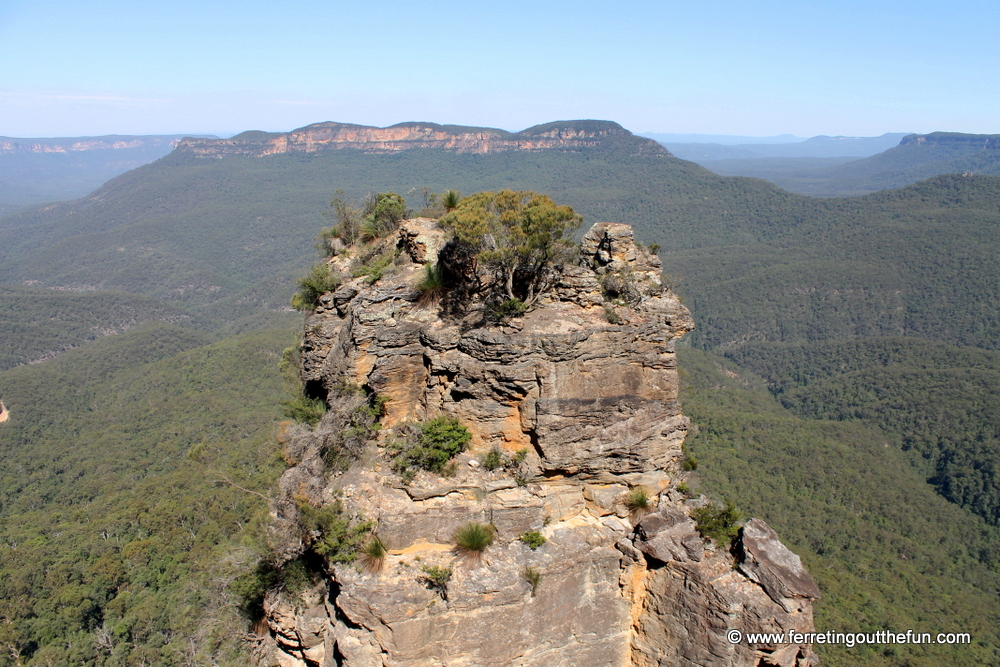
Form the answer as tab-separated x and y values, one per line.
37	323
118	524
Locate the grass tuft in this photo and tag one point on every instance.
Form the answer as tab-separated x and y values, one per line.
472	539
637	500
533	577
373	555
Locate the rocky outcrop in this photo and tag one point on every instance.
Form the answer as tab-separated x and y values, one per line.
569	135
694	598
766	561
580	396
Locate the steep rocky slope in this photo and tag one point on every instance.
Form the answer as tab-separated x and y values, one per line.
584	410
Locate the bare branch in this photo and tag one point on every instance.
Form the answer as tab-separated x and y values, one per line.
234	484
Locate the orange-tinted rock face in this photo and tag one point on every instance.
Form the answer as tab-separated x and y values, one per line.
586	396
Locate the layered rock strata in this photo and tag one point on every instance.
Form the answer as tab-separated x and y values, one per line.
581	395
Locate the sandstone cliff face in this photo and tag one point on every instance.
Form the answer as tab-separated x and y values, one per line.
593	406
320	136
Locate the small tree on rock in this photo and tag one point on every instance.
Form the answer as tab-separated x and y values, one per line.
382	215
519	239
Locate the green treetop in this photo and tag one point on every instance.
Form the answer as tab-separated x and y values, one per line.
518	239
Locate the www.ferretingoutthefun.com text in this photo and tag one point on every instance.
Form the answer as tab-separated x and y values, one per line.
849	639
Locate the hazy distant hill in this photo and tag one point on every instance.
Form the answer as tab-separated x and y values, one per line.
815	147
915	158
33	171
918	157
722	139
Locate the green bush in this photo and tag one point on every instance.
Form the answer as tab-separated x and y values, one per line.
533	539
251	587
472	539
504	310
382	215
432	285
437	441
519	240
331	533
304	409
619	286
450	200
375	266
719	524
320	280
437	579
689	462
445	436
347	226
493	459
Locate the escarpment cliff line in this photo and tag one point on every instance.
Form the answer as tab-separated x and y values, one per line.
573	467
568	135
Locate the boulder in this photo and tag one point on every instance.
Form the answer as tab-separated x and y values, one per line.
768	562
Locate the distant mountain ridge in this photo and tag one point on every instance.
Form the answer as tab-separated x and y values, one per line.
575	134
815	147
722	139
14	145
916	157
973	141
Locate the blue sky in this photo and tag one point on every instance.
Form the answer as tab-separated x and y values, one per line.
89	67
